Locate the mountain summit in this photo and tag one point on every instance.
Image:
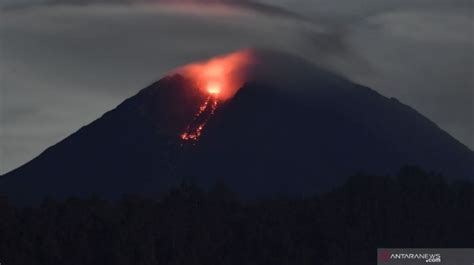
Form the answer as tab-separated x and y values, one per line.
289	128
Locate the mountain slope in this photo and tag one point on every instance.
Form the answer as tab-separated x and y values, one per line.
121	152
297	136
285	143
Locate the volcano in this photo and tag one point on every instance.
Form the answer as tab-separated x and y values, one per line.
292	128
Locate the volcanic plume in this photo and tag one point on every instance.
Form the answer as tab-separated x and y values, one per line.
219	78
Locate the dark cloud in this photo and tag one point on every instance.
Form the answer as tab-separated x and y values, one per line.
243	4
268	9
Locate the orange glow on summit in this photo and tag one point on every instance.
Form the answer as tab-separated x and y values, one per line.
219	79
214	88
220	76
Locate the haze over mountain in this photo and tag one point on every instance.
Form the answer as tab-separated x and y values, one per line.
290	128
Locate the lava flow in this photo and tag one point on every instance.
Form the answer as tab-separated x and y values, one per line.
219	79
206	110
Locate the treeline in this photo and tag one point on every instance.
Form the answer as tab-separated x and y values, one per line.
189	226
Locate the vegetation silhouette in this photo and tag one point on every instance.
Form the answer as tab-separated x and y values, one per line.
191	226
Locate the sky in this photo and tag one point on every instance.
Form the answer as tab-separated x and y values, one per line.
63	63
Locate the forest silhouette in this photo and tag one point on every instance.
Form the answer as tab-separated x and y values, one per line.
190	226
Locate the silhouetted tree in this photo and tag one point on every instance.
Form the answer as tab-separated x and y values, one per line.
190	226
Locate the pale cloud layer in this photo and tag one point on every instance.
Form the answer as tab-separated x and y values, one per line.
64	65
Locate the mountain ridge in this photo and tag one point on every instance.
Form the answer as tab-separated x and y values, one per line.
267	139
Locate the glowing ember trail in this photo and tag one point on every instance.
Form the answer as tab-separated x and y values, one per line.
206	110
219	79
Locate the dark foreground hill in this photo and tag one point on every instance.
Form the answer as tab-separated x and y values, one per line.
190	226
294	137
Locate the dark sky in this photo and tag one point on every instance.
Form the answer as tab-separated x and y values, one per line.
65	62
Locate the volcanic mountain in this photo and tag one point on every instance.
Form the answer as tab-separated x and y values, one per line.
295	135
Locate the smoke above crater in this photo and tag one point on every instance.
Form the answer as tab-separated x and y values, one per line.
221	76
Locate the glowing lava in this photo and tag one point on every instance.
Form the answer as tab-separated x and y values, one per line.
218	78
214	88
221	76
206	110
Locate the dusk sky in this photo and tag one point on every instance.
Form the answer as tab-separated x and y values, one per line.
63	63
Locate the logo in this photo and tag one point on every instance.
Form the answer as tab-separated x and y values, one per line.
385	256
